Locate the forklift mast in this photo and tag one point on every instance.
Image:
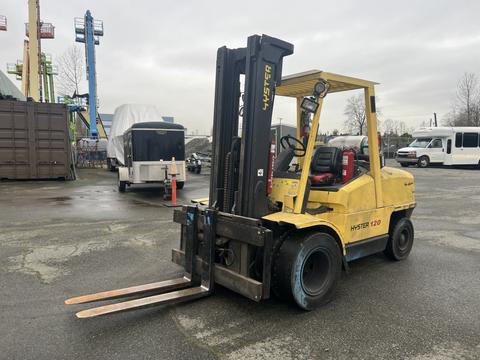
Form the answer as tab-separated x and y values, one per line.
238	187
239	165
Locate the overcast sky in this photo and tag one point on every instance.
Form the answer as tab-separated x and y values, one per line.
163	52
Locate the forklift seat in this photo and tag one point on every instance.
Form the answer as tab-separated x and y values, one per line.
326	165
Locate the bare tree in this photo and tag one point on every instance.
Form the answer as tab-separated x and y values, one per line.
467	95
402	128
389	127
424	123
392	127
355	112
71	69
466	110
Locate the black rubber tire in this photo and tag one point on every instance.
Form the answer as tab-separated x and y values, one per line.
306	269
400	241
122	185
404	164
180	185
423	162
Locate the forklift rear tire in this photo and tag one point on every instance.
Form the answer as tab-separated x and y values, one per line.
400	242
306	269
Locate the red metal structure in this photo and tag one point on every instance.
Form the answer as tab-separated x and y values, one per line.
47	30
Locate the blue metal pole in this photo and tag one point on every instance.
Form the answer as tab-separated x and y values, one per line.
92	75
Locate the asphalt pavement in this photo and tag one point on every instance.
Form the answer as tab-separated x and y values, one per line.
61	239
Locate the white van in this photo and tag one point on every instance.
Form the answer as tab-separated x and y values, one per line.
442	145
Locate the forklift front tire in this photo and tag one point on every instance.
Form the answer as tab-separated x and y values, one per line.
306	269
400	241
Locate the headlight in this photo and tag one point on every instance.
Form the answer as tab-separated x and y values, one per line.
412	154
199	162
309	105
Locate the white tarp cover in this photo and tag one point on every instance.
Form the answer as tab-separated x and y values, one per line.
124	117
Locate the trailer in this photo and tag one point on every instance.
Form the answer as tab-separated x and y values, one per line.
154	153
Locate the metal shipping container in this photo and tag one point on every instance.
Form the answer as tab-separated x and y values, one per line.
34	141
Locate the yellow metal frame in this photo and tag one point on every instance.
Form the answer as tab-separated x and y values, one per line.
102	134
362	208
34	50
301	85
25	67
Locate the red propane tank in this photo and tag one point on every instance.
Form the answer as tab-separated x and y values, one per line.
347	166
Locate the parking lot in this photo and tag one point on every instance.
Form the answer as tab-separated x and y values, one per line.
61	239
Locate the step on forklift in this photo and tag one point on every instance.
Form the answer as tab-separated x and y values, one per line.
287	225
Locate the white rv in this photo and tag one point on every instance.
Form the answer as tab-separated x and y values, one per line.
442	145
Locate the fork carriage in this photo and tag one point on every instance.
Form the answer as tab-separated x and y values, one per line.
243	266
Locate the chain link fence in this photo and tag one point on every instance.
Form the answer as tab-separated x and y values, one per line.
391	143
91	153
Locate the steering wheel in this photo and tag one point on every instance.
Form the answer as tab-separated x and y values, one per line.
290	142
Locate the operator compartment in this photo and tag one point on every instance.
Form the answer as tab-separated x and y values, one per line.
331	169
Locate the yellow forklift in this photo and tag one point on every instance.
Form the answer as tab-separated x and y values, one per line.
290	224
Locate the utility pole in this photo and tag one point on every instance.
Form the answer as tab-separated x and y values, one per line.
435	119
